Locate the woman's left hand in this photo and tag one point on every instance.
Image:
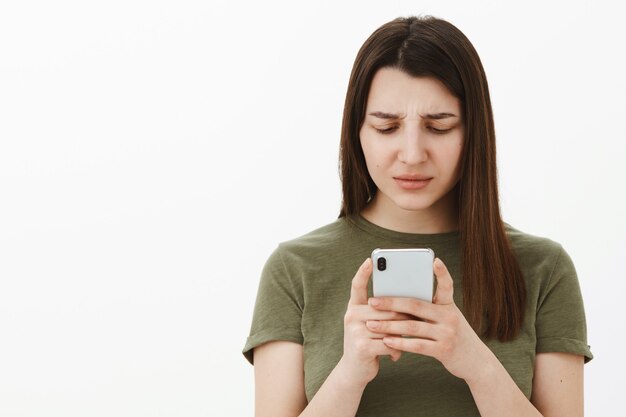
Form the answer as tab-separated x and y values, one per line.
440	330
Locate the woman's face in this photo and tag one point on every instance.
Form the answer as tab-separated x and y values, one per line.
412	138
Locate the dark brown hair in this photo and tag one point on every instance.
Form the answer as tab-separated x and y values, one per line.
494	293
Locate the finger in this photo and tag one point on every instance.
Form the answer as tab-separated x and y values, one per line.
379	348
362	313
445	285
375	336
414	345
358	291
366	312
408	305
412	328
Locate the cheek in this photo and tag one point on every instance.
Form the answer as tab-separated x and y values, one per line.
454	148
454	156
456	152
369	151
375	157
448	158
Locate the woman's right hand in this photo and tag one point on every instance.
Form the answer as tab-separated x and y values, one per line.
362	348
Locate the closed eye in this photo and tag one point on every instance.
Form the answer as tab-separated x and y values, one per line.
391	129
439	131
385	131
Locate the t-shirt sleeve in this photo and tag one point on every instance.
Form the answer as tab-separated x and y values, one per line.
278	307
560	324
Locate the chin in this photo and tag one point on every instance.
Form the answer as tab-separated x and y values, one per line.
414	203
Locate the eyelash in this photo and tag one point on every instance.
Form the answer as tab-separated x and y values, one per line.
391	129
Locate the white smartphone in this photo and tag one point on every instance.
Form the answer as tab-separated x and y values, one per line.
403	273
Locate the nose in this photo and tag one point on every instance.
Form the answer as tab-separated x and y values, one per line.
413	150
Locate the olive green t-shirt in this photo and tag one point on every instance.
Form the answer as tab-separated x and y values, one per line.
305	287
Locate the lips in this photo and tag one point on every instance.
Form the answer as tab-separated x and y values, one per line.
413	177
412	182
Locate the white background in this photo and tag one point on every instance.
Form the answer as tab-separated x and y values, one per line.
153	154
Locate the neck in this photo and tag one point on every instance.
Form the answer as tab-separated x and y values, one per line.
441	217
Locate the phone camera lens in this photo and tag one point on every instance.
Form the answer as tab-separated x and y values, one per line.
382	264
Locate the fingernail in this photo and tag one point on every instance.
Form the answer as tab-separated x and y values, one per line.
373	324
374	302
438	262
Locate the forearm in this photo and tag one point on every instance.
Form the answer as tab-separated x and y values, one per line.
496	394
338	396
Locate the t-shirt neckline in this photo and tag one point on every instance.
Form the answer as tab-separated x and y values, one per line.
392	235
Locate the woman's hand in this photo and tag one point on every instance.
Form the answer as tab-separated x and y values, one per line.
361	347
437	329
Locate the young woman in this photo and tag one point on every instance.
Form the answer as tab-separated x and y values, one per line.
505	334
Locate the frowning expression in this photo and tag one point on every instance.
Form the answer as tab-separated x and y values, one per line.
412	137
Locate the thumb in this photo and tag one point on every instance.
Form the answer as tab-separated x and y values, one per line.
358	291
445	285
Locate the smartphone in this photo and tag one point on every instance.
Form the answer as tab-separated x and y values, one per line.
404	273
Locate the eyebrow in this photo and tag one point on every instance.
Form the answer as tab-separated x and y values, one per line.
436	116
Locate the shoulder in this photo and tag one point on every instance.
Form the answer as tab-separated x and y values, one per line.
293	260
543	261
324	235
318	242
320	254
531	249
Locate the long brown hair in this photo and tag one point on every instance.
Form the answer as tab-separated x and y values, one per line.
494	293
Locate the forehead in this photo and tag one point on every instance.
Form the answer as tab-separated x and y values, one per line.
393	90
